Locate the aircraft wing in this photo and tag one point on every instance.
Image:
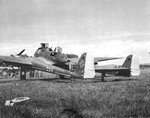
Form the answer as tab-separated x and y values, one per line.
26	62
98	59
15	60
37	63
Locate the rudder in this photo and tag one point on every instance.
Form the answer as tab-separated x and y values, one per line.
85	67
135	66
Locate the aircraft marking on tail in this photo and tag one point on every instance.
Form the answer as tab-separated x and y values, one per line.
130	67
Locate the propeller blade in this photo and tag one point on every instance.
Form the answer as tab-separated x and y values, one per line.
21	52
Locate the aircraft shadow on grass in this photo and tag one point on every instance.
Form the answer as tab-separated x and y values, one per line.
58	80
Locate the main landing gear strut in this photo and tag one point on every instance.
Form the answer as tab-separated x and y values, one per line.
102	76
23	74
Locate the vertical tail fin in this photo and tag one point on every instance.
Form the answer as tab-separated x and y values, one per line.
127	65
85	67
127	62
132	64
81	65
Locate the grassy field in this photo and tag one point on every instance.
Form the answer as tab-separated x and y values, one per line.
49	98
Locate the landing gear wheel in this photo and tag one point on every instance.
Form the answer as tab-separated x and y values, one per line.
61	76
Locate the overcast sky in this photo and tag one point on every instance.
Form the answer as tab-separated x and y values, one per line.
101	27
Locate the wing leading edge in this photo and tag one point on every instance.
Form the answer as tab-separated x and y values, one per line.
30	63
98	59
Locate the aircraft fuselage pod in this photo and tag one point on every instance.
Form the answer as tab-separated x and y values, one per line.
55	55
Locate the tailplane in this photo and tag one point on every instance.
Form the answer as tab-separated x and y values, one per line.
85	67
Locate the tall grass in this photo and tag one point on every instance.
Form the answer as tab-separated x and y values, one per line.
78	99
